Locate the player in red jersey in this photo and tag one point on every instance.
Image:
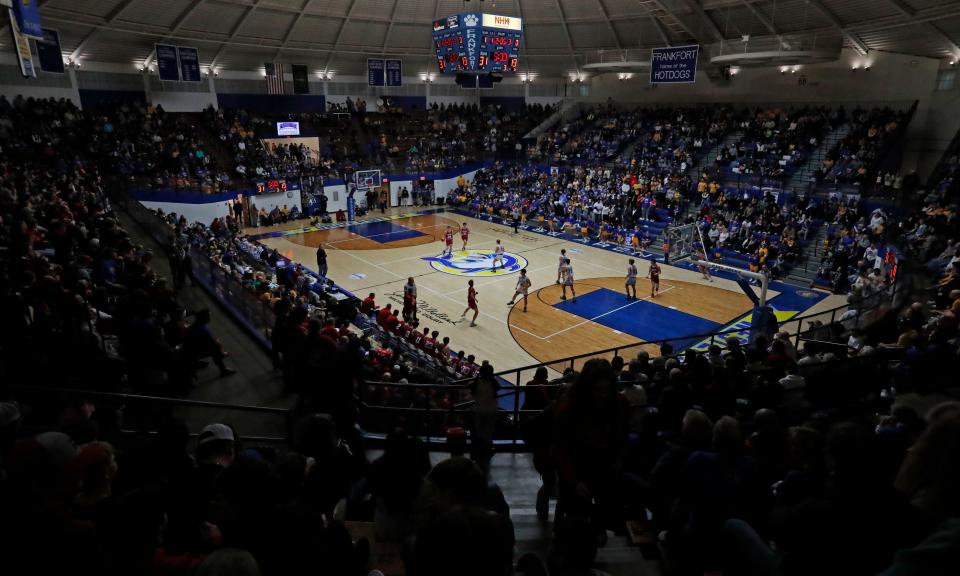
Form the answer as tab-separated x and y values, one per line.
654	275
464	235
448	240
471	304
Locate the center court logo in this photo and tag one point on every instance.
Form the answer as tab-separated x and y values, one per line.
477	263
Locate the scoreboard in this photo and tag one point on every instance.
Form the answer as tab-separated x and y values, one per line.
476	42
276	186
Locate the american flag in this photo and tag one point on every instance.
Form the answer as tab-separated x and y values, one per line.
274	74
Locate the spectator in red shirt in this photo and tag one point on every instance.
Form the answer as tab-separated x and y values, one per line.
412	335
390	323
330	331
383	314
368	306
443	349
419	336
456	363
429	343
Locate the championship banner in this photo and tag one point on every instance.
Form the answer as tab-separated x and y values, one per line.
189	59
22	45
48	52
674	65
394	73
375	72
27	13
301	82
168	64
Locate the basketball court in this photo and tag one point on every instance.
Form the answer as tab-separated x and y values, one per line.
379	252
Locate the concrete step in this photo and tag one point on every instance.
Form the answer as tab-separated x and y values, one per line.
799	282
803	173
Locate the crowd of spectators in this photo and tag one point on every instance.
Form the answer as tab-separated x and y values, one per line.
83	303
775	142
719	453
447	136
242	132
853	159
755	233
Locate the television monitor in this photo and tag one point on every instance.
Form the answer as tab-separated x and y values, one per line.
288	128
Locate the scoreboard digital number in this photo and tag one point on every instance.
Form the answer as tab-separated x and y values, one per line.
480	43
271	187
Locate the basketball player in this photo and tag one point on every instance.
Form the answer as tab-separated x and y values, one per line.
631	281
563	257
464	235
523	288
654	275
567	273
471	304
498	254
410	300
448	240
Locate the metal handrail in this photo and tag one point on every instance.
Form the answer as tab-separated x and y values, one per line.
145	398
124	398
898	288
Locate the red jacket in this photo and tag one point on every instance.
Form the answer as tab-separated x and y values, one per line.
367	306
391	323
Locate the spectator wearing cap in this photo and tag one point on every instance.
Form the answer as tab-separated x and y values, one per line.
216	447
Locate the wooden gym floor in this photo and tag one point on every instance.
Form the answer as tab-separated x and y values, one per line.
377	255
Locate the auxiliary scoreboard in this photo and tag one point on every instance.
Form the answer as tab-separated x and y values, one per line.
478	43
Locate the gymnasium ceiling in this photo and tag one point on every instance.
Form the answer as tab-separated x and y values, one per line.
560	36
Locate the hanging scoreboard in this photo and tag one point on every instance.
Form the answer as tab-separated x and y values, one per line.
478	43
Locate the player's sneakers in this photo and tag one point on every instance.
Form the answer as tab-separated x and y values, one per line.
563	297
509	303
473	324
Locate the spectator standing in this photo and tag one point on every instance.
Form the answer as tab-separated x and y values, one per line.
484	391
589	447
410	300
321	261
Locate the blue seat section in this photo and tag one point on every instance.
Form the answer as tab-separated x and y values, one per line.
642	319
384	232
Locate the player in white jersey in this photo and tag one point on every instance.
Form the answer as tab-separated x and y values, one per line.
497	255
631	281
568	280
563	256
523	288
